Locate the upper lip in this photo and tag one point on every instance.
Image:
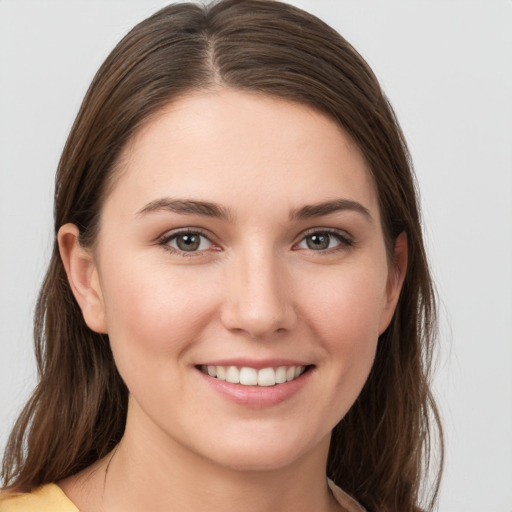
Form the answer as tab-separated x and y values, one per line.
257	364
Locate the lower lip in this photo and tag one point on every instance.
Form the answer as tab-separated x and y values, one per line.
257	396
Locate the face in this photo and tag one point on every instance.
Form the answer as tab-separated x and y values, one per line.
242	276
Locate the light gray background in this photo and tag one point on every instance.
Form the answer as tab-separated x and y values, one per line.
447	68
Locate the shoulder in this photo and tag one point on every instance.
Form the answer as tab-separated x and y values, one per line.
346	501
47	498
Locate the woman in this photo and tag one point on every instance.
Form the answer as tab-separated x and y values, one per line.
238	304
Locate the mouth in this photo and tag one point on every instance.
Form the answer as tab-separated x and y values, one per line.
248	376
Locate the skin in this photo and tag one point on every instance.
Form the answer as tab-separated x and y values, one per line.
254	289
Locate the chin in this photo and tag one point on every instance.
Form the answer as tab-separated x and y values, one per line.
271	454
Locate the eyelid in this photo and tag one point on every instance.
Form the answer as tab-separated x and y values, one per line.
164	240
346	239
323	229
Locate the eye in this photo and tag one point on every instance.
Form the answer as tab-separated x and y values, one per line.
324	240
187	241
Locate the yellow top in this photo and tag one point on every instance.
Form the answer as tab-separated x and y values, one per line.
48	498
51	498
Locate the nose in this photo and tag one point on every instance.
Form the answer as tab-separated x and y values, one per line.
258	299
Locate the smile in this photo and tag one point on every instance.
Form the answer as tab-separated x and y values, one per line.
247	376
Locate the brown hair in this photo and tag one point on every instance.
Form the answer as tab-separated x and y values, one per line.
380	451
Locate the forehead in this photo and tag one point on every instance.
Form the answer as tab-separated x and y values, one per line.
236	147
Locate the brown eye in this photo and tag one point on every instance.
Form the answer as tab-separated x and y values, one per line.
323	241
318	241
188	242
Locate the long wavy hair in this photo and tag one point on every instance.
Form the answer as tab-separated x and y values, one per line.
381	451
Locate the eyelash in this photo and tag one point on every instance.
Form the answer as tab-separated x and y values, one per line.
345	241
165	240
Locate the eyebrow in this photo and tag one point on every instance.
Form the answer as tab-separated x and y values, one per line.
187	206
336	205
208	209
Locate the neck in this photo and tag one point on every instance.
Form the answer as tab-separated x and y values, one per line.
153	472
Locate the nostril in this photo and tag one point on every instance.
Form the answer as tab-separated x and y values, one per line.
258	320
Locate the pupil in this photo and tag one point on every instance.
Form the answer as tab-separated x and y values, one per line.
188	242
317	242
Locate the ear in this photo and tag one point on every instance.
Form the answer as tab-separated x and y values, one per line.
83	277
396	276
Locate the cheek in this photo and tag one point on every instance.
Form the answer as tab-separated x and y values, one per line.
351	301
346	316
152	311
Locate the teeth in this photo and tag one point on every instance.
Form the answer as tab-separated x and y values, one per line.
267	377
248	376
251	377
281	375
232	375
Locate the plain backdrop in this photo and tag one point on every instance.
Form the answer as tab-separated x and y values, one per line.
446	66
